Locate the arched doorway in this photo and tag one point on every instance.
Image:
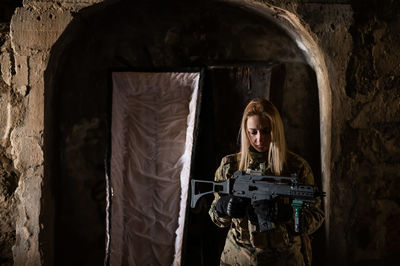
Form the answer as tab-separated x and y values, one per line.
173	35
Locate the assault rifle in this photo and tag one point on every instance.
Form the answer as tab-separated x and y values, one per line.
255	187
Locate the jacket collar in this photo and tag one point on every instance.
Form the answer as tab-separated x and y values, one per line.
258	161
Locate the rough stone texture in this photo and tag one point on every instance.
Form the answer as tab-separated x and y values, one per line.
8	183
23	61
9	176
63	5
36	30
373	156
361	44
362	41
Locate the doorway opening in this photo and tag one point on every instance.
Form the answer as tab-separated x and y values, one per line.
210	33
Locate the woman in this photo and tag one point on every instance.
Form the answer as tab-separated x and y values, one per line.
263	149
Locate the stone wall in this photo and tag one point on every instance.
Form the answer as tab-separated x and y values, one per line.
361	40
25	49
360	44
8	174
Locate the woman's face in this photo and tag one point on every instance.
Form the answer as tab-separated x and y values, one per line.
259	132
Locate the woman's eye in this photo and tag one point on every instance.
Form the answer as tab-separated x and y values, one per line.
253	132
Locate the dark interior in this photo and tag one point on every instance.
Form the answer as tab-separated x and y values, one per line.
133	35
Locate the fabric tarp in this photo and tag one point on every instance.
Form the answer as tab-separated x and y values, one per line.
151	144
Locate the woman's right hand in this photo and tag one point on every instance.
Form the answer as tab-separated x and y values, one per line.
232	206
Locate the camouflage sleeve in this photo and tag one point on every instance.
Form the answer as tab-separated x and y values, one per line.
313	217
224	171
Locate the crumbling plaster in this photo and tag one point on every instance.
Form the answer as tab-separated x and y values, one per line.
359	45
33	30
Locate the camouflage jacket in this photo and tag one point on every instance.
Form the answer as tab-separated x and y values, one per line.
244	234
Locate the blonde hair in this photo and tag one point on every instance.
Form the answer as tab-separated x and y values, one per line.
277	149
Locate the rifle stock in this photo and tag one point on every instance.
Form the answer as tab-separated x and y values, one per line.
200	188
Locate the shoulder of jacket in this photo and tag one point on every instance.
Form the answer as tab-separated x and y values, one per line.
231	159
295	162
293	158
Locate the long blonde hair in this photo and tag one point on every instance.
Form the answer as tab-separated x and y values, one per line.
277	149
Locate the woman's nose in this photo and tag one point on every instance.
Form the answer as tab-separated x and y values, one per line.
258	137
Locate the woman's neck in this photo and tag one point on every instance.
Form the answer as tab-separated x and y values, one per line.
252	149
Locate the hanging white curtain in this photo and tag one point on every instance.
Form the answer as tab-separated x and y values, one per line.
151	145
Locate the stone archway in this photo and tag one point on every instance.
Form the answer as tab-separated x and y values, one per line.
80	44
